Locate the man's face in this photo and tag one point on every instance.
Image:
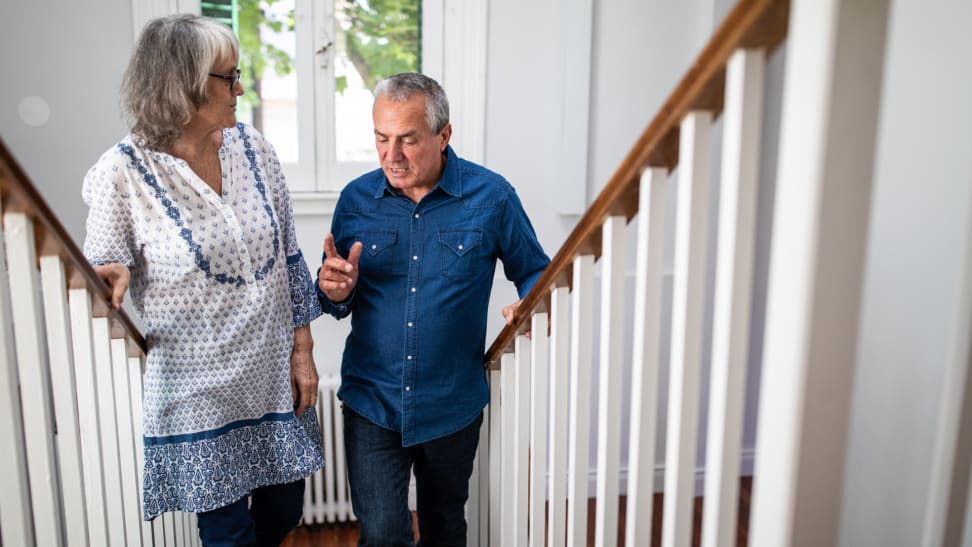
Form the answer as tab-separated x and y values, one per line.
409	152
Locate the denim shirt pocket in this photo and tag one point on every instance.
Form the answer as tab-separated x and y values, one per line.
459	251
378	252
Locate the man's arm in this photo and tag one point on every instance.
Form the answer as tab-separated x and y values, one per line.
523	258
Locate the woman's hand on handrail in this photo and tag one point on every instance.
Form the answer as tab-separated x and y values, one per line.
116	276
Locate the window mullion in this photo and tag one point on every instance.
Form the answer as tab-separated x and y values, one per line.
324	34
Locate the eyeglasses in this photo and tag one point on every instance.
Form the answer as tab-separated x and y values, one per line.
233	78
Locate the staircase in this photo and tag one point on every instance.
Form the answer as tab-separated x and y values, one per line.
592	363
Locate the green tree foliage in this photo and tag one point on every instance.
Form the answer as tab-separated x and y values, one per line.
383	38
258	56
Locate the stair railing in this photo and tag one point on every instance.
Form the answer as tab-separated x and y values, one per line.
70	391
533	467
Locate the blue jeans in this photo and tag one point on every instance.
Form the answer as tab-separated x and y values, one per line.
378	473
275	511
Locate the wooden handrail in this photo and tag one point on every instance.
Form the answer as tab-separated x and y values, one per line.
17	194
750	24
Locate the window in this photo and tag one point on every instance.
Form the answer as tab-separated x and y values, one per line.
309	68
315	94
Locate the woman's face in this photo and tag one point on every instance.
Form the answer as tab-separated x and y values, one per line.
222	90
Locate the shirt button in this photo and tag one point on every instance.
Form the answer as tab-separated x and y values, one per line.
415	257
416	215
460	247
410	323
409	357
413	289
373	247
407	388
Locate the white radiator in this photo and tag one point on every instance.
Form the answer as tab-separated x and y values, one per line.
326	498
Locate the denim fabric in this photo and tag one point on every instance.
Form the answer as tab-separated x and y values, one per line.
275	511
378	471
413	362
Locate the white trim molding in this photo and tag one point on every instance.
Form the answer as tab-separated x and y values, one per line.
463	57
571	192
314	203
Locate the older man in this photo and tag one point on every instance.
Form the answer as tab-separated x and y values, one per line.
421	237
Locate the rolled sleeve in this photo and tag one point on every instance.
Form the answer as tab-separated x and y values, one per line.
110	232
523	258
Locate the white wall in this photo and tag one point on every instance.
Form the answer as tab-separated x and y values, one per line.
920	208
70	57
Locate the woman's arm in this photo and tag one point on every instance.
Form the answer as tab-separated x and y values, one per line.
303	371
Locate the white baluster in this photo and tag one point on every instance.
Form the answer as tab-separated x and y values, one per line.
168	524
87	395
611	371
819	241
943	524
538	431
481	479
126	443
581	336
158	532
733	294
688	295
35	381
521	438
179	528
649	281
114	500
16	523
59	348
559	389
508	443
495	458
135	365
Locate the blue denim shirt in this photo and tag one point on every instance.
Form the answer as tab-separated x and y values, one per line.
414	359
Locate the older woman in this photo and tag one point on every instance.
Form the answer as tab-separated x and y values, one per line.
191	212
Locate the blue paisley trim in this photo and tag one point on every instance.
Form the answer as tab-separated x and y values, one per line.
251	155
207	474
303	291
185	233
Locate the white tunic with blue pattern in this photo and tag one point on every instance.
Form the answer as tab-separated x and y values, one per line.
220	284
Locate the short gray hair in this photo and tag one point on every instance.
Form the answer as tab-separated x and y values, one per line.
404	86
165	83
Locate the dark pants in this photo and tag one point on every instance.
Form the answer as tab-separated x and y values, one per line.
275	511
378	472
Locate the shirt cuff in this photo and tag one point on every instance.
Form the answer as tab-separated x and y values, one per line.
337	309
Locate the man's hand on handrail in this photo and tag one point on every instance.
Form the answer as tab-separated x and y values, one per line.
509	313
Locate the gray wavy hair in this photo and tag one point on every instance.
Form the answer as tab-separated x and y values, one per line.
165	83
402	87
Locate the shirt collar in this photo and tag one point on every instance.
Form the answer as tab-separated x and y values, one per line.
450	182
